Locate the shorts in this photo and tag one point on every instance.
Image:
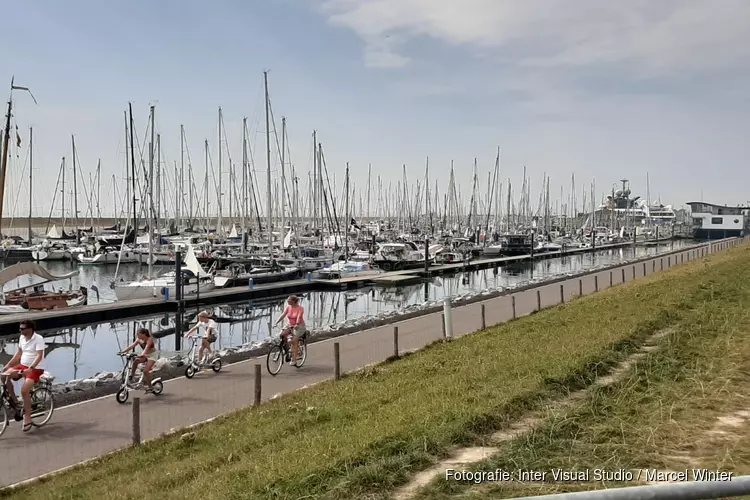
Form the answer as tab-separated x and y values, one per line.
151	357
298	330
35	374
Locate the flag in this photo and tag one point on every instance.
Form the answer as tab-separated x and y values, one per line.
18	138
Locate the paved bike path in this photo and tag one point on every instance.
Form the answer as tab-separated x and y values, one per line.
93	428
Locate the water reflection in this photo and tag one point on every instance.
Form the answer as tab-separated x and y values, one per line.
81	352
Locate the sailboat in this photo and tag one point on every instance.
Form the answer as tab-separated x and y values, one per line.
194	279
20	299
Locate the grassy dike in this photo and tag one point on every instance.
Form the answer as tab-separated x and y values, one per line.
368	433
685	405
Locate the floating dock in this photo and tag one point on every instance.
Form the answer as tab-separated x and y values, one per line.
97	313
396	280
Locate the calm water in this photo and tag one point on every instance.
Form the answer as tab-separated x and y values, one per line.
76	353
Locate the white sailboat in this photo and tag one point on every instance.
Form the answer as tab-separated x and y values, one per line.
193	276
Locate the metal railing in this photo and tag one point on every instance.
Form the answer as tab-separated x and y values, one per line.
693	490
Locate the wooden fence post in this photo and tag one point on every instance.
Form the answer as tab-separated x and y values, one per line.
136	421
538	300
580	288
395	341
562	293
513	305
596	283
257	393
336	361
484	318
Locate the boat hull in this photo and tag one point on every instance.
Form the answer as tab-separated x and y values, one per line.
258	279
148	291
716	234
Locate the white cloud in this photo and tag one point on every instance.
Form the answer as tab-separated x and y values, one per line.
653	38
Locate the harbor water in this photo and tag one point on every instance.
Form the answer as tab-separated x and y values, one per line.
81	352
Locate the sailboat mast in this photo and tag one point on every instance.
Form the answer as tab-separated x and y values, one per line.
283	178
348	216
150	185
132	171
157	226
244	175
127	168
220	229
31	175
75	192
98	193
6	141
315	183
268	165
180	190
369	188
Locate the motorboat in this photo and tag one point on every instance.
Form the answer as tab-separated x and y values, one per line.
33	296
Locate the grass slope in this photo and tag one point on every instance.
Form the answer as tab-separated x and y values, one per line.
364	435
684	406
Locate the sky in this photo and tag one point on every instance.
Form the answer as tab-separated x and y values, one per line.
602	90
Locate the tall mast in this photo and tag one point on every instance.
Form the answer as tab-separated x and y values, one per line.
150	185
127	167
4	168
348	216
268	164
98	193
62	203
6	141
75	192
180	189
244	174
205	187
315	181
31	175
283	178
158	187
220	228
132	170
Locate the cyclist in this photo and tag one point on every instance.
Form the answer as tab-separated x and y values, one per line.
145	341
209	326
28	363
295	314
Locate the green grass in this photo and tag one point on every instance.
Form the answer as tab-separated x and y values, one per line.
368	433
663	414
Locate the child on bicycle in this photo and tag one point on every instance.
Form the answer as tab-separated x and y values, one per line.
145	341
209	326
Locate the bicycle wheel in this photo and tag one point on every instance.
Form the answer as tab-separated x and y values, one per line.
301	354
42	406
274	360
3	417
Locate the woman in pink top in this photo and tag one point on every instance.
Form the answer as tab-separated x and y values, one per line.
295	314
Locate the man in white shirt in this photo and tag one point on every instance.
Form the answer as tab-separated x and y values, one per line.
27	362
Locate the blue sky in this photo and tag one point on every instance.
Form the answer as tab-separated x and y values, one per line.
604	90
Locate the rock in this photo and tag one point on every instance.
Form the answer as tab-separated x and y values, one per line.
85	384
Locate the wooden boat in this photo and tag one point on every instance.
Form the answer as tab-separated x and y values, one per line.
32	296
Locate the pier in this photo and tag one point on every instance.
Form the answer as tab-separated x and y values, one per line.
96	313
